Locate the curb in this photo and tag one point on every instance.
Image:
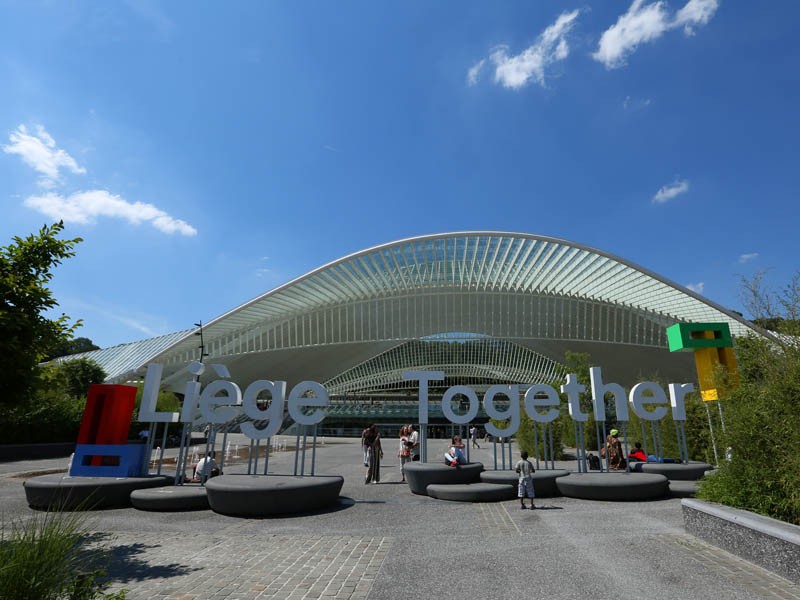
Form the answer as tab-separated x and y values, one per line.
767	542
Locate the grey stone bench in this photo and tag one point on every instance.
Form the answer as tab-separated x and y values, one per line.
61	492
472	492
171	498
420	475
268	495
773	544
683	489
674	471
613	486
544	480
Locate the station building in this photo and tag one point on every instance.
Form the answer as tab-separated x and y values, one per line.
485	307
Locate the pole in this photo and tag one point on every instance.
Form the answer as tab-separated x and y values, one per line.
711	430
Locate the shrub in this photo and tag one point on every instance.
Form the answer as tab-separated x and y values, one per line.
761	415
44	558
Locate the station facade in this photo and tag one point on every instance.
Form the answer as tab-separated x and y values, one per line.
484	307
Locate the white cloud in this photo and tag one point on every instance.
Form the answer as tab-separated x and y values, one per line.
517	71
696	12
668	192
746	258
645	23
40	152
474	71
86	206
696	287
635	103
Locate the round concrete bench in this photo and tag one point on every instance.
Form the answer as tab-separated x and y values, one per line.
683	489
675	471
613	486
171	498
544	480
61	492
472	492
267	495
420	475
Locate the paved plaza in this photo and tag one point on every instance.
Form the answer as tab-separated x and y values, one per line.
384	542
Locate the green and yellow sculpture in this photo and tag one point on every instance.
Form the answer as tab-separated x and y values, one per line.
712	346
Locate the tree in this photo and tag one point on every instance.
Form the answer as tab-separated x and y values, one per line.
70	378
27	335
75	346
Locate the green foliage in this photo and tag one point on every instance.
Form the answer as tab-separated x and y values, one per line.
698	440
762	418
761	425
27	336
45	558
697	435
528	441
55	413
578	363
70	378
166	401
74	346
54	420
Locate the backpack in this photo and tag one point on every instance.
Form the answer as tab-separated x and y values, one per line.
594	462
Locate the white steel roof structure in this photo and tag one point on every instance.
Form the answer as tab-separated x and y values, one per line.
518	300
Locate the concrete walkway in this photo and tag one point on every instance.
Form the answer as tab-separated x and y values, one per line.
384	542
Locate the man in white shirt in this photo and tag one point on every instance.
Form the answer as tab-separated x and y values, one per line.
206	467
413	441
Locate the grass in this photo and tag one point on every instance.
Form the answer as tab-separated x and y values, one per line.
45	558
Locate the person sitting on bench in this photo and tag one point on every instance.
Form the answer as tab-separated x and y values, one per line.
637	454
455	455
206	467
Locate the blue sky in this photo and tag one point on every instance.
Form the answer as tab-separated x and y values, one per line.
207	153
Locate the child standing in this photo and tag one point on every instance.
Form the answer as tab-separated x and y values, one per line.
525	469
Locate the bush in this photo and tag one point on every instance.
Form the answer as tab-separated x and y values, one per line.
45	421
761	425
44	558
761	415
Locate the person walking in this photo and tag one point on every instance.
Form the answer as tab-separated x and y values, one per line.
473	434
413	438
404	451
364	448
374	455
616	458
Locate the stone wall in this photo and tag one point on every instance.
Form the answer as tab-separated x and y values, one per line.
770	543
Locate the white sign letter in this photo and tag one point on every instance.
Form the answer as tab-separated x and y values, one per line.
424	377
512	391
447	409
657	396
297	402
209	399
572	388
599	391
147	408
677	393
532	403
273	413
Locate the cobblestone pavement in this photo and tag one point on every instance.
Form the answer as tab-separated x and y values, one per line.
383	542
248	567
763	583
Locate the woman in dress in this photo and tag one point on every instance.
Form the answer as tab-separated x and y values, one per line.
404	451
375	453
616	460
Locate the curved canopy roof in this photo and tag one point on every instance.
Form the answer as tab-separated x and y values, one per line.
515	286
